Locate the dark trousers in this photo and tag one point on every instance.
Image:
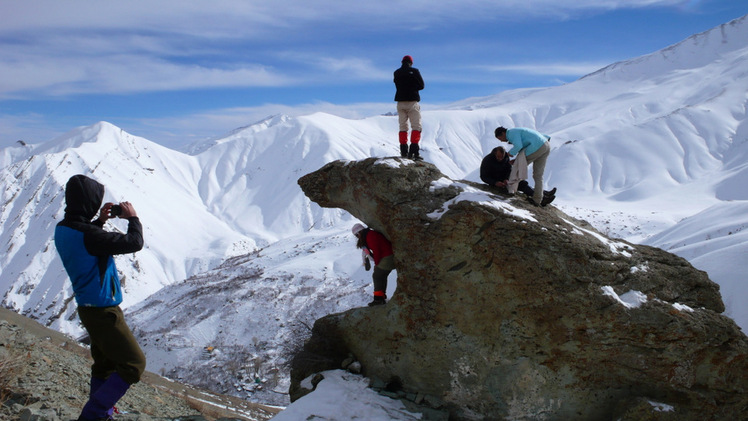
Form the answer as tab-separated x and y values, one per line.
381	272
113	346
380	281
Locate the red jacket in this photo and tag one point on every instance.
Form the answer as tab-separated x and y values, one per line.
380	247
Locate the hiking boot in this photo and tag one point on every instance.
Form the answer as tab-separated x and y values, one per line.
550	193
525	188
101	403
378	301
403	150
547	200
413	153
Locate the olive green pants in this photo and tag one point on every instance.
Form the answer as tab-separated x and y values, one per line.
113	346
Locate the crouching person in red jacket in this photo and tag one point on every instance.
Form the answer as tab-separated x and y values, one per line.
374	244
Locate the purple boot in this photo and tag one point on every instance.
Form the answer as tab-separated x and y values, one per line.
96	383
103	397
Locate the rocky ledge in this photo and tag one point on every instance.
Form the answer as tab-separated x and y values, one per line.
508	311
44	376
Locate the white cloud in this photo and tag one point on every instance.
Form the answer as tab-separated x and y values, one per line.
79	47
346	67
30	128
223	18
550	69
128	74
120	73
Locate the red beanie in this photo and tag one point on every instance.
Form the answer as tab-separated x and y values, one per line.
408	59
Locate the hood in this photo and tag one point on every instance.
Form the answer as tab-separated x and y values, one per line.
83	197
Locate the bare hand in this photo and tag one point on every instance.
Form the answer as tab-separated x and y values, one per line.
105	212
128	211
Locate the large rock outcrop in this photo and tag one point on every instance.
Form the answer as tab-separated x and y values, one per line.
508	311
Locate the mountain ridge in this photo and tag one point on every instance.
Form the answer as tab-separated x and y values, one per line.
634	158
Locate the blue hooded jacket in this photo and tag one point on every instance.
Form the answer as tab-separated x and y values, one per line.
86	249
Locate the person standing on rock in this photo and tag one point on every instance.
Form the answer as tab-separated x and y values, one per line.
529	147
408	82
86	250
379	248
495	170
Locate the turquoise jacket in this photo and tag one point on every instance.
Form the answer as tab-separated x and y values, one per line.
527	139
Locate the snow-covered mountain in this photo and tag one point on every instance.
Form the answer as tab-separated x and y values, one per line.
161	183
651	150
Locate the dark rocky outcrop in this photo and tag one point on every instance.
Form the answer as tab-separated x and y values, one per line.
508	311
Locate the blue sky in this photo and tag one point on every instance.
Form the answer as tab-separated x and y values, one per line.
176	71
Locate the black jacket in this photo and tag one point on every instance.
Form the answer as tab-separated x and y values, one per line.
408	82
493	170
83	197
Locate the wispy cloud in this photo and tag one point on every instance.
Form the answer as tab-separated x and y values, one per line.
127	74
185	65
30	128
340	67
548	69
230	18
62	48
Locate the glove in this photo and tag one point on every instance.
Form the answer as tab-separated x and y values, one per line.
367	264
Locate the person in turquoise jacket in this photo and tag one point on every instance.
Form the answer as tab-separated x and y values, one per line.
536	148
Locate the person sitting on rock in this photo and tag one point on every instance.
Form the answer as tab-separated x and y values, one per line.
495	170
379	248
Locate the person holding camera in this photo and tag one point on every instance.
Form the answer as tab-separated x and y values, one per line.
87	250
379	248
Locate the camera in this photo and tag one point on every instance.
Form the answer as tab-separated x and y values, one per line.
116	210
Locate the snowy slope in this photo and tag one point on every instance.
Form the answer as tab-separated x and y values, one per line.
160	183
249	178
651	150
635	157
252	311
715	241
